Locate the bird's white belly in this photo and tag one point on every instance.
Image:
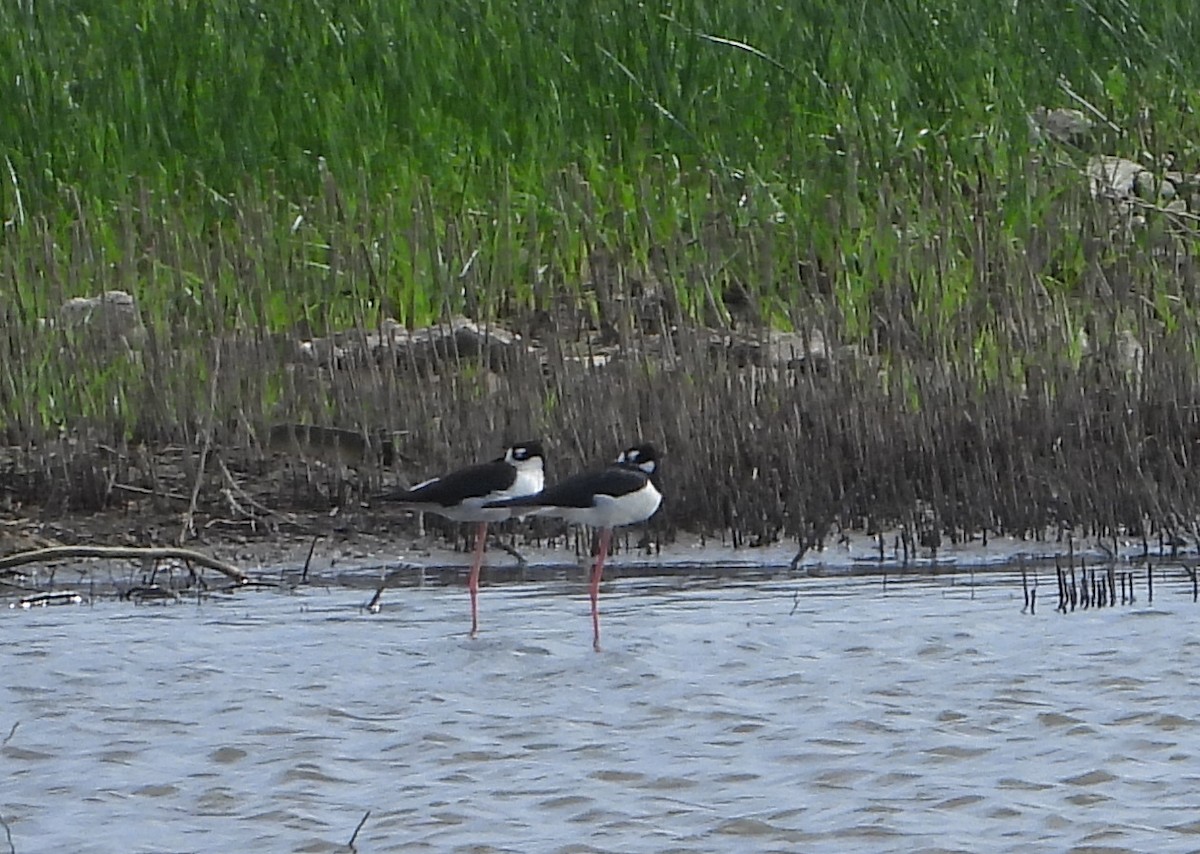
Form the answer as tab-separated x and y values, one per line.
610	512
471	510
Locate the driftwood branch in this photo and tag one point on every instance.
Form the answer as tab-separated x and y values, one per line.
153	553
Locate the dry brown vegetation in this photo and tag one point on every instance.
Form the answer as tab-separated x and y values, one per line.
970	383
984	344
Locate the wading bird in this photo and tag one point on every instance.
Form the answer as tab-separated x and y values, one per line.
625	493
463	496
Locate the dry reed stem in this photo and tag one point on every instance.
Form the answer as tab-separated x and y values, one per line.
233	488
189	526
987	415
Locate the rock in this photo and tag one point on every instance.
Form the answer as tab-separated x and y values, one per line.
1145	185
1131	355
1123	180
349	348
325	352
1060	125
110	317
460	338
800	351
804	351
1124	355
592	361
1113	177
1151	188
428	348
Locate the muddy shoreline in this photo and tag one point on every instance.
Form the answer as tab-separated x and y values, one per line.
369	547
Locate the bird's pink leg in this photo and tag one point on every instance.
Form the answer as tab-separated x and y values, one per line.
597	573
473	579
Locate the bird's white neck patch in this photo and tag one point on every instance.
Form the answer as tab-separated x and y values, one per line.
530	476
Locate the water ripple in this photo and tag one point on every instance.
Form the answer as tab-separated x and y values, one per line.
721	717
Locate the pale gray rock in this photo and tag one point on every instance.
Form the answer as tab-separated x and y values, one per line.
428	348
104	320
1061	124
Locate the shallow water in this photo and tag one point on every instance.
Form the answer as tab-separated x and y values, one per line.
725	714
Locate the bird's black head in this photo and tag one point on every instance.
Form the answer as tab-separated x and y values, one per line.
644	457
520	452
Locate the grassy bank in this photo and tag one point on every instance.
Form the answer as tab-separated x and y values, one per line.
478	95
631	177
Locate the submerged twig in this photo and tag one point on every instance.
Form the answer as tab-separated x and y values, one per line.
11	733
150	552
354	835
150	593
373	607
12	849
510	550
308	560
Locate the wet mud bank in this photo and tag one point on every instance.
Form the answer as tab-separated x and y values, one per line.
377	560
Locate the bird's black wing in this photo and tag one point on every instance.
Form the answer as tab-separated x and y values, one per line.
581	490
474	481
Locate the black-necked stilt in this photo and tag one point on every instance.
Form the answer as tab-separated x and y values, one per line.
462	496
625	493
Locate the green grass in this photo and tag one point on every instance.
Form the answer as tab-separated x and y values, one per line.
317	165
471	96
